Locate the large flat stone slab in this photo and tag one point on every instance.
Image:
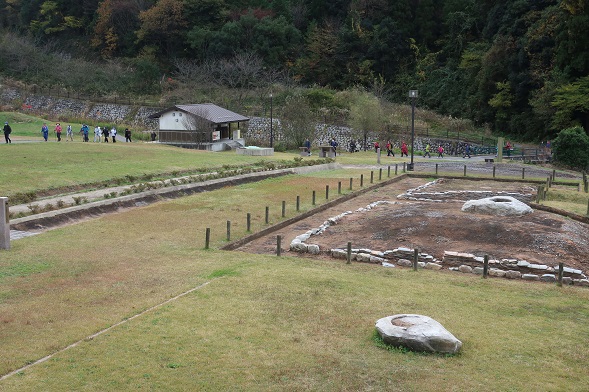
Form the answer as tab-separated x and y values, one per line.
497	205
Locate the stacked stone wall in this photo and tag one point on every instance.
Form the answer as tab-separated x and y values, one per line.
452	261
109	112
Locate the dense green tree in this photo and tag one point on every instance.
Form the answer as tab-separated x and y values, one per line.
572	104
206	14
163	28
114	28
318	64
570	148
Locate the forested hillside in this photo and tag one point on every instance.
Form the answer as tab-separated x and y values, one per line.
521	66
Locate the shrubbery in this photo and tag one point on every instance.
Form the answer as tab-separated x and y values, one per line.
571	148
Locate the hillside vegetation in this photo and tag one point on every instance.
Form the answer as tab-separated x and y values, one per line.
519	66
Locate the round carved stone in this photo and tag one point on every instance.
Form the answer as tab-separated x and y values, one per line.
417	333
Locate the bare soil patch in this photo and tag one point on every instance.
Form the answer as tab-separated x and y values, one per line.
436	226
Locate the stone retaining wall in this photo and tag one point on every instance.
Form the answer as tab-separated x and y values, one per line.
107	112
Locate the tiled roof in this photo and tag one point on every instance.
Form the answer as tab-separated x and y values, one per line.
208	111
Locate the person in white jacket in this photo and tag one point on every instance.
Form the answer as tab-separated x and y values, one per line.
97	134
113	134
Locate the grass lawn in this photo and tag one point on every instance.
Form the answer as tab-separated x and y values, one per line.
30	167
29	127
262	322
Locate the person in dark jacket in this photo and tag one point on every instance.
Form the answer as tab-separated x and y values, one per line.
7	132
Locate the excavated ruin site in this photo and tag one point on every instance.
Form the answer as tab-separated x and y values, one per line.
428	216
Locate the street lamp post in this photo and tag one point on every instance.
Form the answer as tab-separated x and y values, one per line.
412	94
271	124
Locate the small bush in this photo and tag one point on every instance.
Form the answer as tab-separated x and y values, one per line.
48	207
22	198
34	208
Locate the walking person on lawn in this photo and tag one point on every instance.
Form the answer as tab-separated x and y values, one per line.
7	132
45	132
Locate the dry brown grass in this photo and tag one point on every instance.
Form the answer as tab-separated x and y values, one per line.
263	323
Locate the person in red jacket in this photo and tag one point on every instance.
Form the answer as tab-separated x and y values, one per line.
58	131
404	150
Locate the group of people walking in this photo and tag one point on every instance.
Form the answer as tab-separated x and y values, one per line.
99	133
405	150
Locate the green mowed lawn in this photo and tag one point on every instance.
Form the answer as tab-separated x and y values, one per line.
30	167
262	322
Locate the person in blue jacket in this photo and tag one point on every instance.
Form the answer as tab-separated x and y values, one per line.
45	132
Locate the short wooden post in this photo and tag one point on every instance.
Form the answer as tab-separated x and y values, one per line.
283	208
539	193
523	173
339	187
404	167
396	169
494	171
485	266
351	179
207	237
389	171
587	207
371	176
278	241
380	174
560	273
415	259
349	254
4	224
313	197
298	203
553	174
228	230
326	192
249	222
361	180
267	218
464	170
436	169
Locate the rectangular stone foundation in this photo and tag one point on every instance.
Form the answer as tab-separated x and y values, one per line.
255	151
